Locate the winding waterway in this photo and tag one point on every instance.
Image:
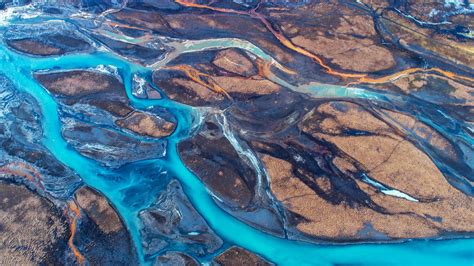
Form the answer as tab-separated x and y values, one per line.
19	69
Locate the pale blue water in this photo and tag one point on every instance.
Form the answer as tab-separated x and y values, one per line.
283	252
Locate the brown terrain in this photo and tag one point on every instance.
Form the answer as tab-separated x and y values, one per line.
346	39
34	47
79	83
104	238
236	256
99	210
105	92
387	158
386	148
175	258
233	61
49	45
147	125
423	41
210	155
33	231
381	152
234	77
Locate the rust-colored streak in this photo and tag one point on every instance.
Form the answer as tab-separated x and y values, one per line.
218	9
23	170
359	78
410	71
73	213
201	78
121	25
73	207
280	37
147	37
263	68
288	44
